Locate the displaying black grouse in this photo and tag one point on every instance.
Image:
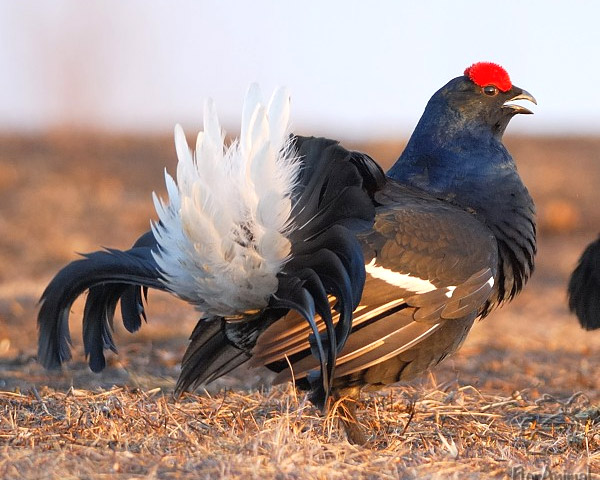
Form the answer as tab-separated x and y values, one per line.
301	253
584	287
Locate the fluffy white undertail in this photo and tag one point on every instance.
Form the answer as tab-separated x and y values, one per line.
223	234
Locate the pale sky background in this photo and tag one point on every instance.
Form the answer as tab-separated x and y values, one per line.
356	69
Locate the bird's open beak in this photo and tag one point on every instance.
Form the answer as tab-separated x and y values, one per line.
520	95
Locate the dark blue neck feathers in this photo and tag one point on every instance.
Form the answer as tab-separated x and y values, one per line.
462	160
447	148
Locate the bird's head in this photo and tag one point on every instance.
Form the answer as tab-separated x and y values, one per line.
482	97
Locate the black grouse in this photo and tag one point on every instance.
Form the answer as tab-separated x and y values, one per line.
584	287
301	253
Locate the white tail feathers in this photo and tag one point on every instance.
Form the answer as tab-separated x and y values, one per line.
223	234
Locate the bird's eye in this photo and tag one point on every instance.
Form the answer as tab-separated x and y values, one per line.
490	90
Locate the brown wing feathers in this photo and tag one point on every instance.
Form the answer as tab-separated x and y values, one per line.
459	257
397	326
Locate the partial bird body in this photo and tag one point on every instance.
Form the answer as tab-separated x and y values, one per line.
584	287
314	259
408	299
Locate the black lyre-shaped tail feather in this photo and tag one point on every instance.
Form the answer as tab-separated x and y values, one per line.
107	274
102	299
293	295
333	202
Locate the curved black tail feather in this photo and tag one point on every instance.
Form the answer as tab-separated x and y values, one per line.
97	271
333	202
132	296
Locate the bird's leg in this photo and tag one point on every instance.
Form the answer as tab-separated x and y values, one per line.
345	407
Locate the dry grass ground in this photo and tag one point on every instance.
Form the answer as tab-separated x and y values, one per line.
521	398
418	432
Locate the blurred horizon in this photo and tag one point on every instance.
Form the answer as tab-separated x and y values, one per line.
355	71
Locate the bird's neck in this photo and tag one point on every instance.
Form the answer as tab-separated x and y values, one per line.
447	153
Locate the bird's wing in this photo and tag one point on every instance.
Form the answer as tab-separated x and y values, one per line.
427	262
584	288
